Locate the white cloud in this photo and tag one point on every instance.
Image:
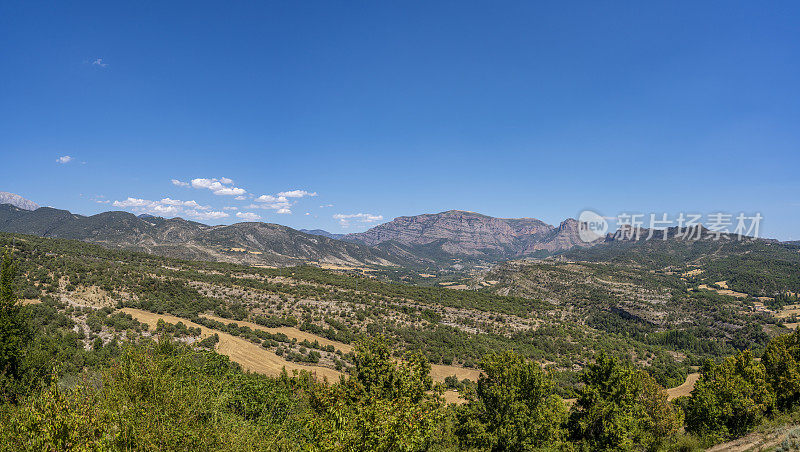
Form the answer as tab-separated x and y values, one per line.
280	202
345	219
240	198
202	183
325	205
171	207
213	215
180	183
64	159
270	198
296	194
230	208
307	213
230	191
132	202
221	186
99	62
247	216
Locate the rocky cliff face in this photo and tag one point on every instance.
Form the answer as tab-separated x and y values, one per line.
463	230
471	234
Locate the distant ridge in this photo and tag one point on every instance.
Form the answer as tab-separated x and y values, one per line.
17	201
454	237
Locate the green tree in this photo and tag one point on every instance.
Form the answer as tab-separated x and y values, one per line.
12	329
512	408
730	397
782	365
385	405
620	407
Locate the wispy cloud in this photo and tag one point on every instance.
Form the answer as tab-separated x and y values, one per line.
179	183
364	218
99	62
171	207
64	159
325	206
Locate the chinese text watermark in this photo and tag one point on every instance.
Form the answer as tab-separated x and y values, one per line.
683	226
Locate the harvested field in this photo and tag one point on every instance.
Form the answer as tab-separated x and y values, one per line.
788	311
249	355
723	291
439	372
452	396
458	287
287	330
685	389
256	359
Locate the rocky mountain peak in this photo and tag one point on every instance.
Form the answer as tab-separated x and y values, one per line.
465	233
17	201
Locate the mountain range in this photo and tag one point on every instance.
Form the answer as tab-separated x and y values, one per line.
250	243
428	239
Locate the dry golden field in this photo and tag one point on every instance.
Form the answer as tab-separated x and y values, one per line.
288	331
685	389
249	355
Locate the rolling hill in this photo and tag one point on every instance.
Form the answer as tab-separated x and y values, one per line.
248	243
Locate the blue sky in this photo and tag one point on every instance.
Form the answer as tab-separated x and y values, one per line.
510	109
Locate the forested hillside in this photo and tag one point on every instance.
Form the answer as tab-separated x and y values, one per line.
372	365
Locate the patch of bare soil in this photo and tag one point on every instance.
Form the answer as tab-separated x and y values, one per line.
756	441
30	301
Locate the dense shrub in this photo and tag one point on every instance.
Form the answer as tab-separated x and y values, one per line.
620	407
513	407
730	398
